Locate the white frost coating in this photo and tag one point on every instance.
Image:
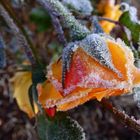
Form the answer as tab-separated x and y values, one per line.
82	6
95	81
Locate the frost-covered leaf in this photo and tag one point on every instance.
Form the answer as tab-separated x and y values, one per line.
82	6
41	18
2	54
130	20
60	127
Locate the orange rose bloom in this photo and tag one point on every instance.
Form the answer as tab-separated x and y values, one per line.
111	11
88	79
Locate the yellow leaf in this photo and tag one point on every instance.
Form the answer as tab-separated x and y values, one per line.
21	83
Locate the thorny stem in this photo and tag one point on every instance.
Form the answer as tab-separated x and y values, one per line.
55	7
18	30
121	116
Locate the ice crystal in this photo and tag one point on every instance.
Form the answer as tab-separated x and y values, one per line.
82	6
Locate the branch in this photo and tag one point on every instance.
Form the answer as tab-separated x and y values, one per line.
20	33
109	20
121	116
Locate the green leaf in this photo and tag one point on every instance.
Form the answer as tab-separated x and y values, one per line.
133	26
61	127
41	18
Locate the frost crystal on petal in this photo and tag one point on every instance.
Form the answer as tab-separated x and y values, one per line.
97	48
66	58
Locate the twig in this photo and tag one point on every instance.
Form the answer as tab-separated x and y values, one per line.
99	18
109	20
20	33
121	116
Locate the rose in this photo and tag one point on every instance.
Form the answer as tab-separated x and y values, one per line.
88	79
